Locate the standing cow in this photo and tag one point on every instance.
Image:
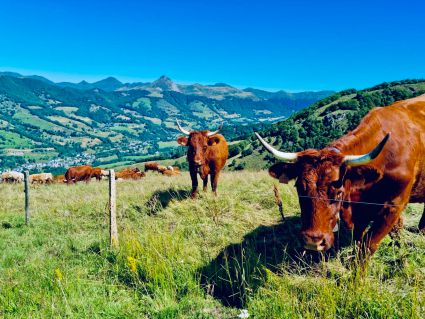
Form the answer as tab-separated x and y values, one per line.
207	154
82	173
42	178
12	177
364	166
151	166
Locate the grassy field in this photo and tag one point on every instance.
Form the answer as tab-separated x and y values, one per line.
184	258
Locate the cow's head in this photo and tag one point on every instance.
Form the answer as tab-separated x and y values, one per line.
324	179
198	143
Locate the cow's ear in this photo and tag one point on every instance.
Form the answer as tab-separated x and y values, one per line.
182	140
284	172
363	175
214	140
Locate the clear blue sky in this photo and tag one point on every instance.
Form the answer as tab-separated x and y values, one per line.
293	45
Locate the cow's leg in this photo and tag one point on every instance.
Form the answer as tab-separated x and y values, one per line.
396	230
381	226
205	180
214	181
422	223
194	177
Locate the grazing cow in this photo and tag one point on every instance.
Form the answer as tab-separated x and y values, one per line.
151	166
59	179
82	173
12	177
207	154
42	178
161	169
130	173
364	166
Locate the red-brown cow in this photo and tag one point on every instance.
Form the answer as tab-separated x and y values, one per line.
363	166
207	154
130	173
82	173
151	166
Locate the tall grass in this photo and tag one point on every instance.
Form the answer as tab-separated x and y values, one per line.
184	258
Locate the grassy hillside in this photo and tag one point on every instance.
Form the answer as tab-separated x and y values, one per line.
183	258
326	120
109	122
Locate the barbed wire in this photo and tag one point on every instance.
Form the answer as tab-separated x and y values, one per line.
352	202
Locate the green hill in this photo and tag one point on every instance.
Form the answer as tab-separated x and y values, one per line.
111	122
324	121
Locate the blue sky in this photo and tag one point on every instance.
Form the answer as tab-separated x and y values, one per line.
292	45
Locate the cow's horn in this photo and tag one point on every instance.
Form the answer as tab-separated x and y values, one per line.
215	132
182	129
354	160
285	157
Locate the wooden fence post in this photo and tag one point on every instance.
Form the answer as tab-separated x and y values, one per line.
278	201
27	197
113	230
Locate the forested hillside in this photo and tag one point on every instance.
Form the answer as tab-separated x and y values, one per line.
325	120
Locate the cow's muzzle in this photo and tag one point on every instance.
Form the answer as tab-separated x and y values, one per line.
316	241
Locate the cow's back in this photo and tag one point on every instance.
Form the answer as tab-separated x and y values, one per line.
403	157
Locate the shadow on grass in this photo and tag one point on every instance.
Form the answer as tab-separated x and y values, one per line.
161	199
240	269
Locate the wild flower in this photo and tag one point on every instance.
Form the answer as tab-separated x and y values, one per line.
132	264
58	275
244	314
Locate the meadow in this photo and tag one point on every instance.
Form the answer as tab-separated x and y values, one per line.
183	258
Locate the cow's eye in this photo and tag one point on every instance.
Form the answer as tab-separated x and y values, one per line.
204	148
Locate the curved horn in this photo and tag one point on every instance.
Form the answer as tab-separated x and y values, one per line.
355	160
215	132
285	157
185	132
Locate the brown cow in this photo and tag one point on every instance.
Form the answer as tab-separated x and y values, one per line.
82	173
42	178
171	172
207	154
151	166
59	179
358	168
130	173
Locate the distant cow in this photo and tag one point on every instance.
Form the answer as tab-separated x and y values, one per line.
42	178
130	173
59	179
207	154
82	173
366	176
12	177
170	172
151	166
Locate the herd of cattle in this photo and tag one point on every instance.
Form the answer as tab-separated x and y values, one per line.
86	173
365	178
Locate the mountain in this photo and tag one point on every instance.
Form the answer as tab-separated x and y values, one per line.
109	84
111	122
324	121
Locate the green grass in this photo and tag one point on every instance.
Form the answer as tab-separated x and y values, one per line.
184	258
10	139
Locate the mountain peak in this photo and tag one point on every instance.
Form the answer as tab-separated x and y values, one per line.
165	84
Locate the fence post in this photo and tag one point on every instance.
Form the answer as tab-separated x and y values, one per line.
27	197
278	201
113	230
